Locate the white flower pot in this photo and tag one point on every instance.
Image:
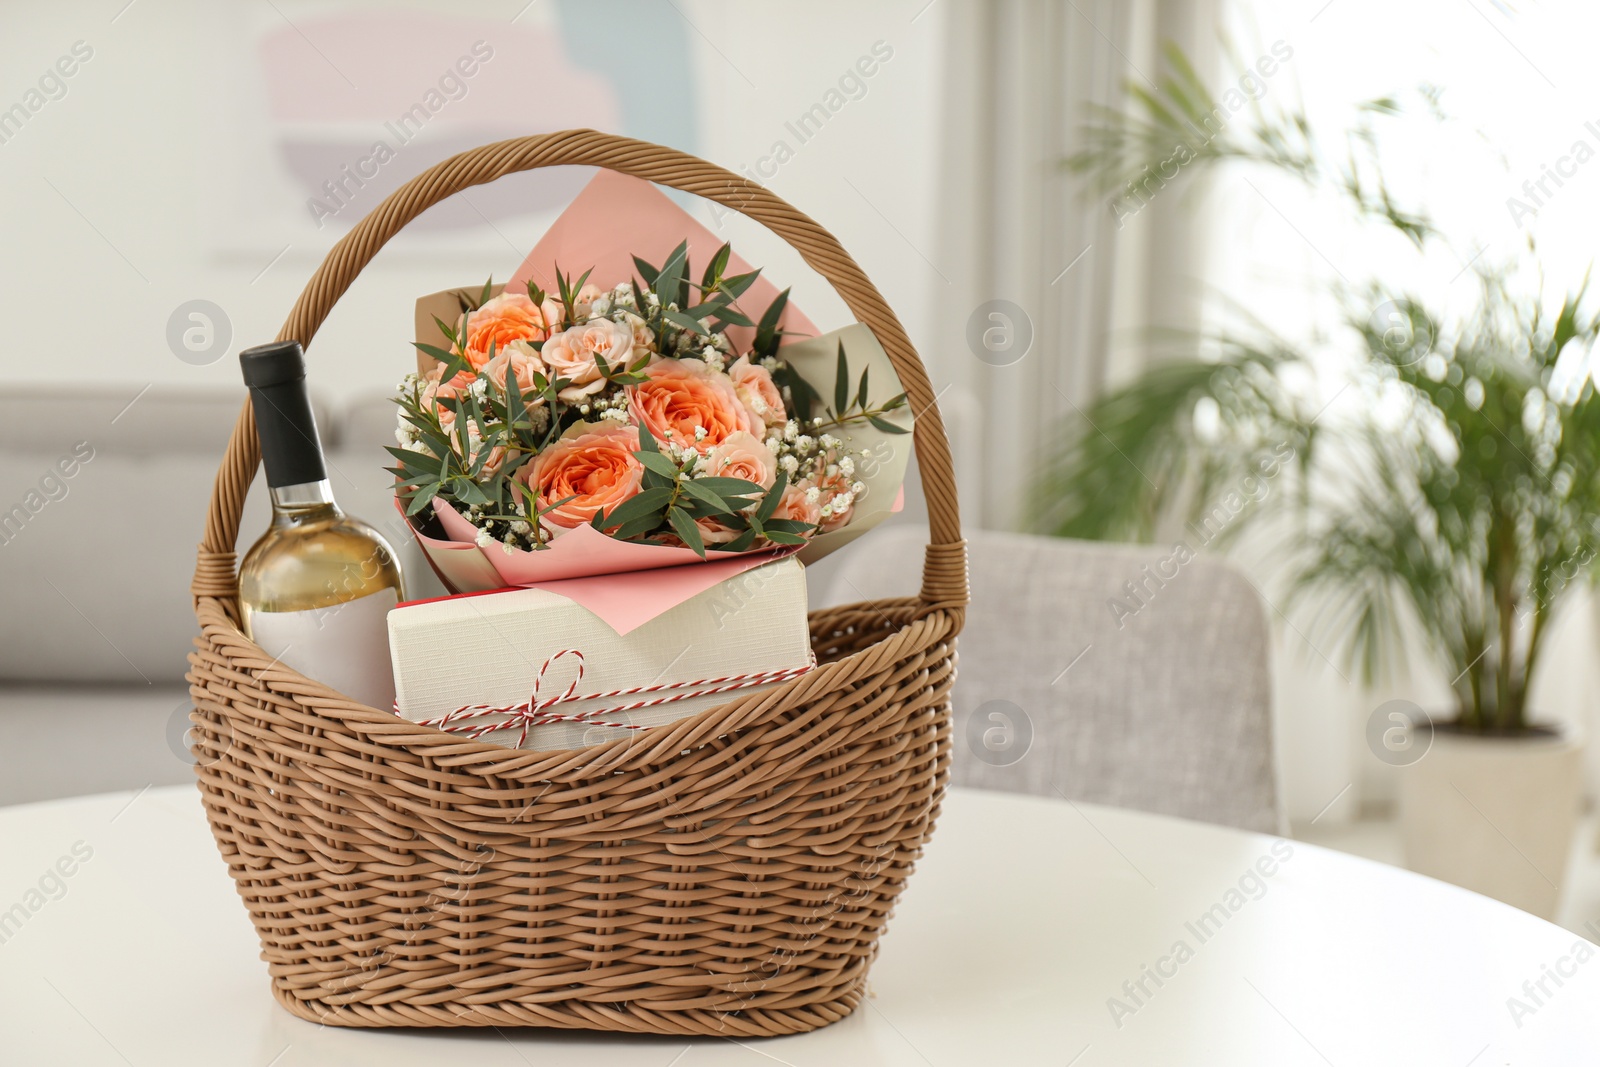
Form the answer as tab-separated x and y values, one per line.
1494	815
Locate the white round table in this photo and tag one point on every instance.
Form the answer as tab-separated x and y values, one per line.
1034	932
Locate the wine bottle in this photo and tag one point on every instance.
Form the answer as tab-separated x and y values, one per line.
316	589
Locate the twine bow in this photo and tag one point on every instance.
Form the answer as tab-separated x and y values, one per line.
535	710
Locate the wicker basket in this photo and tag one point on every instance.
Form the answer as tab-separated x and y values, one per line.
727	874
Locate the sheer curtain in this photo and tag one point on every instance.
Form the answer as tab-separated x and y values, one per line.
1043	296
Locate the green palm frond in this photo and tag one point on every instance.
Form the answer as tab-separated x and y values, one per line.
1454	528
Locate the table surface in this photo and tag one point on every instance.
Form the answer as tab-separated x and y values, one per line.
1035	931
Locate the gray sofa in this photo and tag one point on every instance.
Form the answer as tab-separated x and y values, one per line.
103	496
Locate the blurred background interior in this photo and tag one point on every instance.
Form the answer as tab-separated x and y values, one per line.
1282	302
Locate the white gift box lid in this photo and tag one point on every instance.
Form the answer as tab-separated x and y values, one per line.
489	649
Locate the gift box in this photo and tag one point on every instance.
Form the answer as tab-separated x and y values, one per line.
536	668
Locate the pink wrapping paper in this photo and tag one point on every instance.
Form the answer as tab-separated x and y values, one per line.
617	217
624	584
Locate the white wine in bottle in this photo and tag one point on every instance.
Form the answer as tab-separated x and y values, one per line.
316	589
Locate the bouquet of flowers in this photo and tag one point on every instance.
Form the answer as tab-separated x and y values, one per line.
628	408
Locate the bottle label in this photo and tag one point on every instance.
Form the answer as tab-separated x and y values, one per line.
343	646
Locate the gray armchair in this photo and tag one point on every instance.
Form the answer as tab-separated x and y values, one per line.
1116	674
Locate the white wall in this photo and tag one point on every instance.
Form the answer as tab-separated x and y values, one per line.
155	179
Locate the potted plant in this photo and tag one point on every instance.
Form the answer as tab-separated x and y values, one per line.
1444	512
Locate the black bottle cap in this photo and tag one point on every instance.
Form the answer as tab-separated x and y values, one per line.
290	449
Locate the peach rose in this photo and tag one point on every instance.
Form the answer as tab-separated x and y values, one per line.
433	391
592	464
713	532
794	506
571	355
555	315
506	318
644	338
758	391
682	394
743	455
491	465
583	300
523	363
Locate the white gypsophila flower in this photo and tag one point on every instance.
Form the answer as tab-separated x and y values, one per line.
616	414
791	429
699	433
770	363
521	527
758	405
479	388
858	488
775	446
484	539
805	442
813	494
843	500
652	299
827	511
847	466
402	438
817	421
829	441
583	409
789	464
600	305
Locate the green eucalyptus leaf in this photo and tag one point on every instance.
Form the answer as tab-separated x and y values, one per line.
769	503
637	527
645	502
421	499
841	383
658	463
685	528
730	487
693	488
685	320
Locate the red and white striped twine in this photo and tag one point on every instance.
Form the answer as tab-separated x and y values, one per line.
532	712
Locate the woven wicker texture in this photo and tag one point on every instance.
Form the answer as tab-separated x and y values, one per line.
728	874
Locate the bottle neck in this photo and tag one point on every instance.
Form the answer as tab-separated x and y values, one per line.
303	501
291	452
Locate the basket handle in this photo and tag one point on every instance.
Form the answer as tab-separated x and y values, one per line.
944	579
